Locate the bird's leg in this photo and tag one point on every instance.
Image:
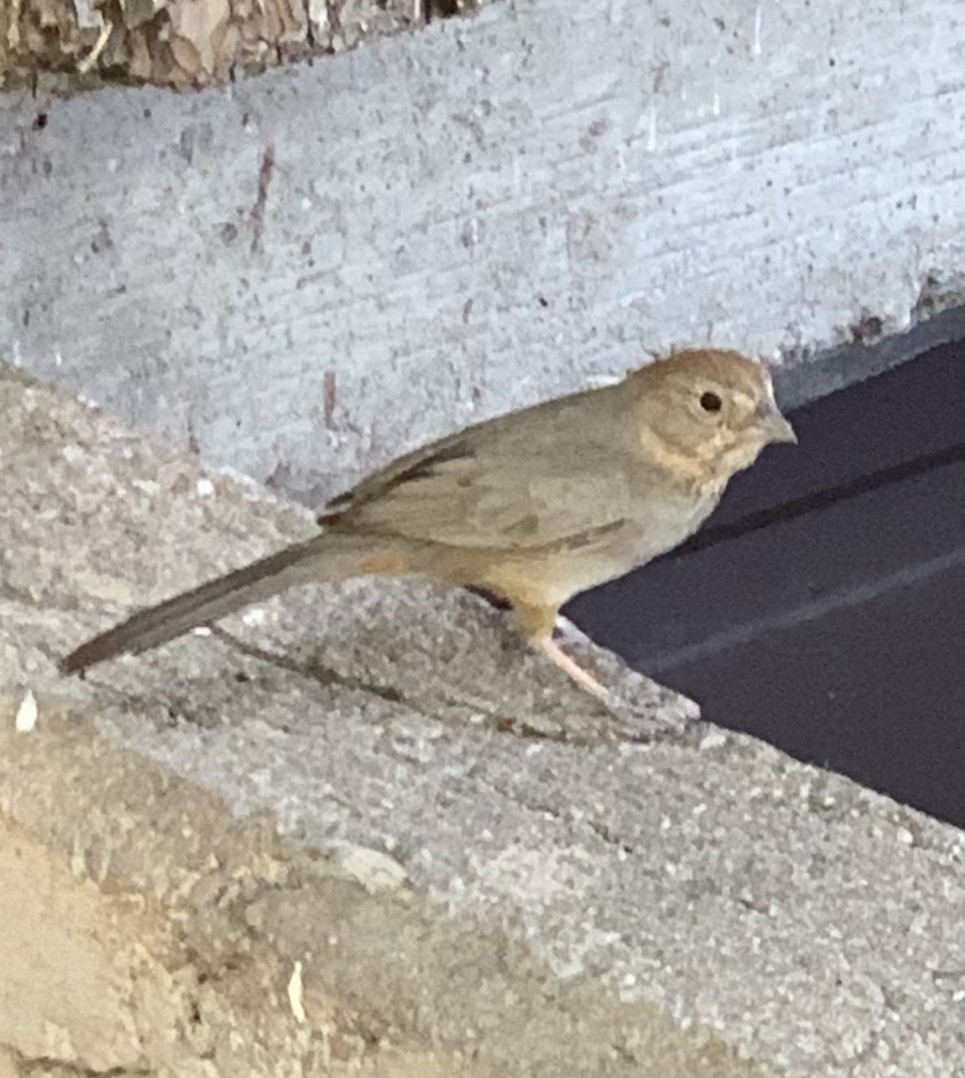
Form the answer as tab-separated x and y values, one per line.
537	624
572	668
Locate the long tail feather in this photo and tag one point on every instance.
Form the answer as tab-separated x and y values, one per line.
323	557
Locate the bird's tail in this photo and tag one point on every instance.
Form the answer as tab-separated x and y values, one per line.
328	556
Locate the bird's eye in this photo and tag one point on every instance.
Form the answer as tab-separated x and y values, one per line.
710	402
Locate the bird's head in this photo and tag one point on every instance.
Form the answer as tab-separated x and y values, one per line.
706	412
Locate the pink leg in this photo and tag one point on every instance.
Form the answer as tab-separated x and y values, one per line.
537	623
571	668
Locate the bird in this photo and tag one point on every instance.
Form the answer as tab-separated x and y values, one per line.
530	507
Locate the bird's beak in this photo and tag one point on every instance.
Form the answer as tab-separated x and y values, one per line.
773	425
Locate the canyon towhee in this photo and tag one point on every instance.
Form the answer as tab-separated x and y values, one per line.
532	507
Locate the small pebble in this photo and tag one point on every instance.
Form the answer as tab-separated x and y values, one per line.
26	718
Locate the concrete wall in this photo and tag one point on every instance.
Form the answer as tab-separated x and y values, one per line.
304	272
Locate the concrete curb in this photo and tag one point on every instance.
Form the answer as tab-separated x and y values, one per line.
308	847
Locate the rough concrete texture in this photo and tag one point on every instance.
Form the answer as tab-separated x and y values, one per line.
360	831
306	272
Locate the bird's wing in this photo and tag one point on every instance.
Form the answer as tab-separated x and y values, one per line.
503	484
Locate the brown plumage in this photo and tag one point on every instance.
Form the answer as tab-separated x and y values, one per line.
533	506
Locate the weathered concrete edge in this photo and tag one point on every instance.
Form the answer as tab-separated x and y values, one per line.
940	321
245	909
26	648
